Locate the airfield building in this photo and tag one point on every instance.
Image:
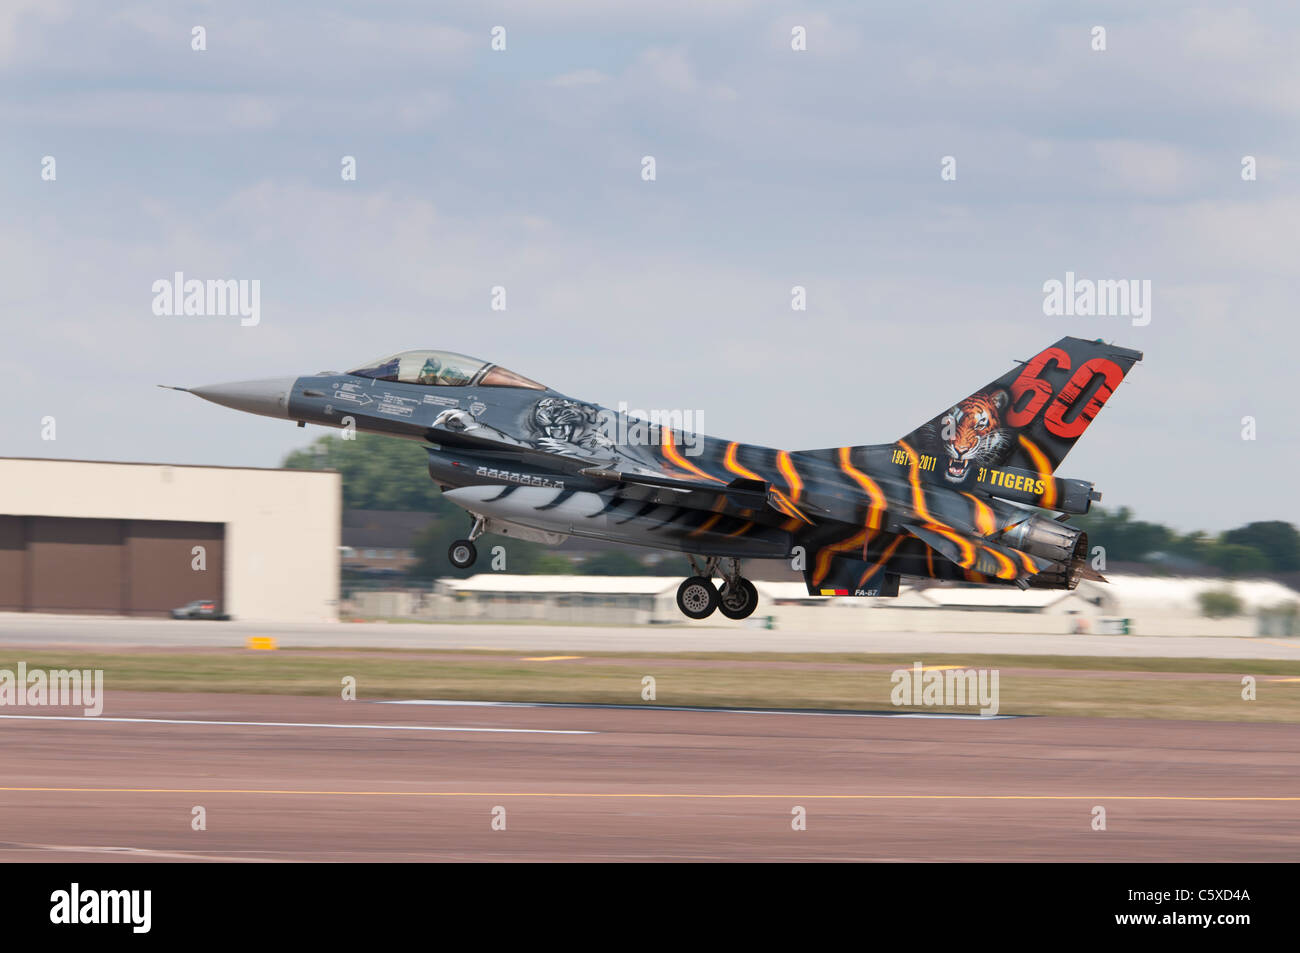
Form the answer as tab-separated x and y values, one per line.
142	539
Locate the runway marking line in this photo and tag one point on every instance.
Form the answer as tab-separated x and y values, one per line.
606	706
235	857
549	658
592	795
299	724
1289	645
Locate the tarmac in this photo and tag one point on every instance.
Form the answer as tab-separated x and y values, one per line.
282	778
32	629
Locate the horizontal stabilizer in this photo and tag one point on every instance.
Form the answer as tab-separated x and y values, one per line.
980	555
1085	571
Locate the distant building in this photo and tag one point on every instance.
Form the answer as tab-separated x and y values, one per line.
606	600
381	542
1179	595
1143	605
603	599
142	539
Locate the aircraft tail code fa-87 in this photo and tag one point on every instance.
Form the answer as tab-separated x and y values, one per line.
960	497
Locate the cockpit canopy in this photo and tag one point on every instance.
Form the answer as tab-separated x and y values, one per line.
442	369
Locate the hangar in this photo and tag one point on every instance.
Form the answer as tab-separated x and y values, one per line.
144	538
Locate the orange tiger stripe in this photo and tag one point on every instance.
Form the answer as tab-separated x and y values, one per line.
983	515
868	484
918	501
731	463
1007	568
827	553
670	451
884	558
792	478
1048	499
706	525
1028	563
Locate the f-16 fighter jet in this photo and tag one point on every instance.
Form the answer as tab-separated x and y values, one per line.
971	494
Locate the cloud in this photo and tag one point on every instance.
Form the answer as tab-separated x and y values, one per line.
23	24
520	169
1148	168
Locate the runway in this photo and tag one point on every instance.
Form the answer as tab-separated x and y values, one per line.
31	629
300	778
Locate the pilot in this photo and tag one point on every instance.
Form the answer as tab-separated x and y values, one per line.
429	373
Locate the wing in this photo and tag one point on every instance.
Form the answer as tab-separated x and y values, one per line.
741	492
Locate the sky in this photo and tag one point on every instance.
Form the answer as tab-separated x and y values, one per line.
522	168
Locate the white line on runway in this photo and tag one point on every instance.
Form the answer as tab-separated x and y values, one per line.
299	724
943	715
135	851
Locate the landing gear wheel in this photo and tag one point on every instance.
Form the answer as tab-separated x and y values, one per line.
738	601
697	598
462	554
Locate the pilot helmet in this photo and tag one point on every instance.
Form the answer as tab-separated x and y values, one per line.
429	373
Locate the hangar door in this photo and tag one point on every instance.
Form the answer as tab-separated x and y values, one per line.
133	567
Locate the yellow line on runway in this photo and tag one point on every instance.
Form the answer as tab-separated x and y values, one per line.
594	795
549	658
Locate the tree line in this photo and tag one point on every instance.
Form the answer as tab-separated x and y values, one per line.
1266	546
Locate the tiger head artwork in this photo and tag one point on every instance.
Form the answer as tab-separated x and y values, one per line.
973	432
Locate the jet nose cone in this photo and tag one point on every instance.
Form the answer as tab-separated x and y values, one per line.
269	398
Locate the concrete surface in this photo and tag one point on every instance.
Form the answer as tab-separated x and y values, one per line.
284	778
107	632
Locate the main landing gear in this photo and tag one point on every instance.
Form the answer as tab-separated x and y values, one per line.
697	597
463	552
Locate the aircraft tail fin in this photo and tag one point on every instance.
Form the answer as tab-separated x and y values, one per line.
1028	418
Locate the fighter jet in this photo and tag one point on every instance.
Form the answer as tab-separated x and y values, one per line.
969	495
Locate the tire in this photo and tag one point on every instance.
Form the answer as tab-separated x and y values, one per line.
462	554
740	604
696	597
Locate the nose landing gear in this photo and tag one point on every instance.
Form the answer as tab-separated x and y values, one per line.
462	553
697	598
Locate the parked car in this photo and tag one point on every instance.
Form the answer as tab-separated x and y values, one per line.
200	609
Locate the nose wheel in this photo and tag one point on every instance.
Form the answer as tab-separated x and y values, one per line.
462	553
697	597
